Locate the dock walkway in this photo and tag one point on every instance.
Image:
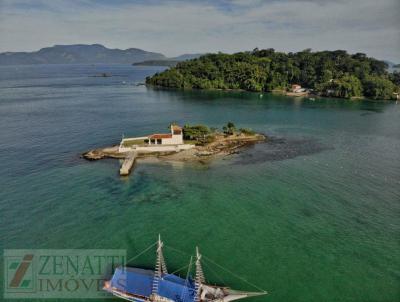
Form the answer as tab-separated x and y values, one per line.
128	164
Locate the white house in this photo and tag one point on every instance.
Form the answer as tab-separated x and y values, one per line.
173	138
158	142
297	88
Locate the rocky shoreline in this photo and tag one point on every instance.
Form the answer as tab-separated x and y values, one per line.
222	145
107	152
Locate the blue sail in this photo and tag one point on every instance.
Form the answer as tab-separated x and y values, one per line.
138	282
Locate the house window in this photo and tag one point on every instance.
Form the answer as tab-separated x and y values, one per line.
159	141
153	141
146	141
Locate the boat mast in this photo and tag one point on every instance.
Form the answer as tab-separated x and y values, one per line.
160	268
199	275
185	292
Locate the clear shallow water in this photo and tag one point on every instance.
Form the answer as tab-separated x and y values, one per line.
311	216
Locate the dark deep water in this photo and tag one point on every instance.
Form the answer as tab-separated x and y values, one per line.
313	215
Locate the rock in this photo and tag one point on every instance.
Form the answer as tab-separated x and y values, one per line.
93	155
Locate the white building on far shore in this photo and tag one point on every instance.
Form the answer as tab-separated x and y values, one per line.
296	88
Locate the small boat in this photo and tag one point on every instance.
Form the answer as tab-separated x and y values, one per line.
142	285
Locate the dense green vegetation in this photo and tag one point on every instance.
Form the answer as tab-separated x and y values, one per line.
195	132
229	128
328	73
201	134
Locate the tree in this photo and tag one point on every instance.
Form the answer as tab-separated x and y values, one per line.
378	88
229	129
196	132
345	87
395	78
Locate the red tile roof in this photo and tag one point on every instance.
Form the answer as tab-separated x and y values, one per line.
158	136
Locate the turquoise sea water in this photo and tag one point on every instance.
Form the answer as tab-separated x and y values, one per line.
312	215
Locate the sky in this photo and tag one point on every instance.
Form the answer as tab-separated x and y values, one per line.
177	27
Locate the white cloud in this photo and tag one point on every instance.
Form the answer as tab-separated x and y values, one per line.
175	27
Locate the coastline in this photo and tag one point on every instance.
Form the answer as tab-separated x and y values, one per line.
276	92
223	145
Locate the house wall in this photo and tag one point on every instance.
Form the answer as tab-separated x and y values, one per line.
134	138
157	148
121	148
167	144
174	140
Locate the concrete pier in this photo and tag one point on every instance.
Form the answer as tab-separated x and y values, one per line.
128	164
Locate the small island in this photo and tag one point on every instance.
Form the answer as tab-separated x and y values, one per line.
188	143
324	73
168	63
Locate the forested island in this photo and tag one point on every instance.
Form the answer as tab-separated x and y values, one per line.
325	73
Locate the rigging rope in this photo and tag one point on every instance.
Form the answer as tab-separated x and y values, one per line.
141	253
183	293
223	268
149	247
179	269
233	274
214	273
179	251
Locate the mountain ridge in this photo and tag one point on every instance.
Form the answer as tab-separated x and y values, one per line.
79	54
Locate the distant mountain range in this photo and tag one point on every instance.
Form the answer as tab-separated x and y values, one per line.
85	54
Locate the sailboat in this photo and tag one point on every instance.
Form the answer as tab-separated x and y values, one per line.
142	285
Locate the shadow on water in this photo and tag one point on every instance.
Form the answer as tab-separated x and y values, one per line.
371	110
277	148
